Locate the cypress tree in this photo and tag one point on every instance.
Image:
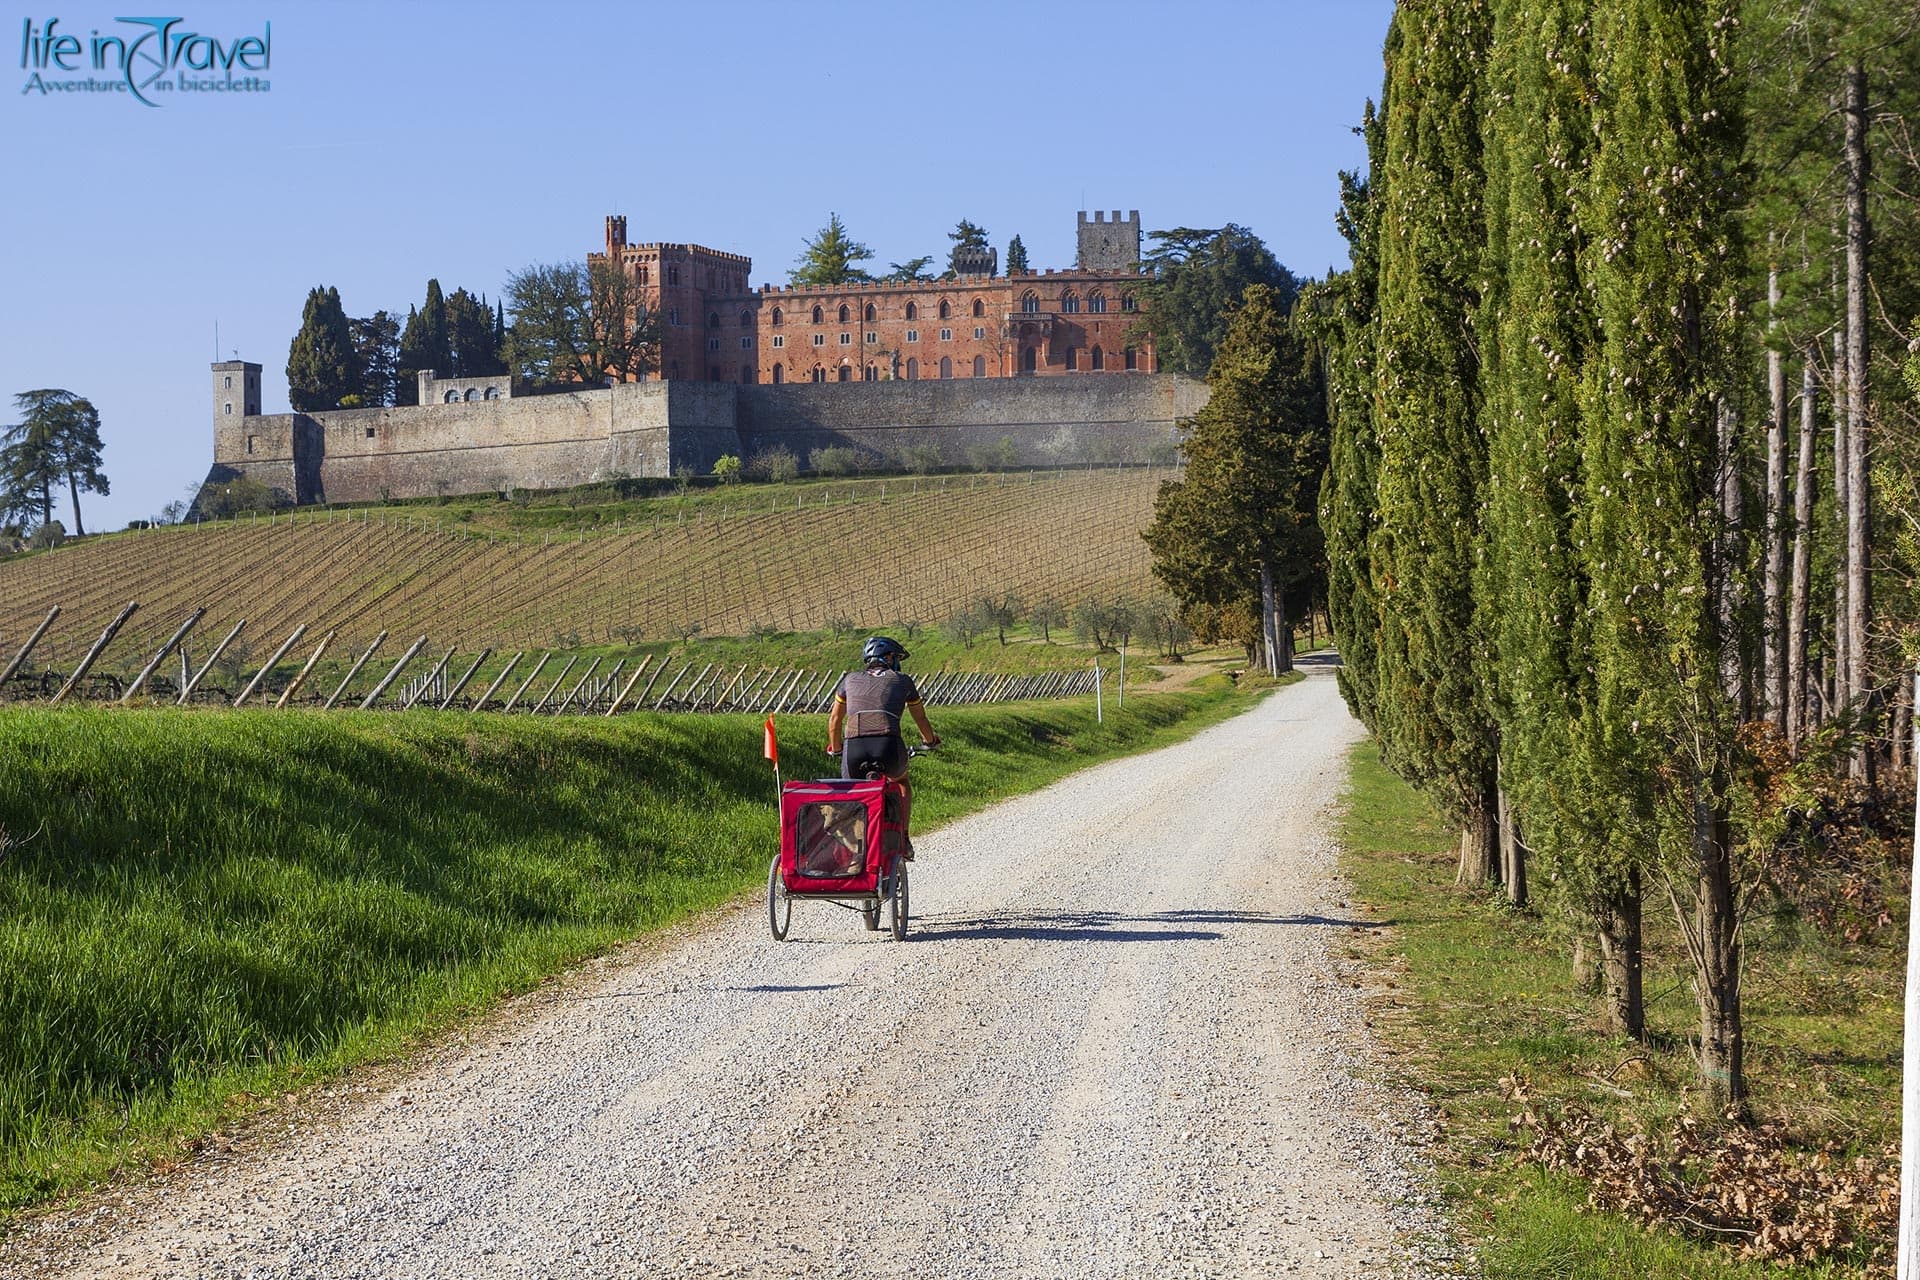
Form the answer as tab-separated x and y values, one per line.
1016	256
1432	714
406	384
1658	216
321	370
1346	310
436	344
1538	330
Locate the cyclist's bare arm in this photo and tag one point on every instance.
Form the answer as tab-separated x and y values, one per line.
919	713
836	722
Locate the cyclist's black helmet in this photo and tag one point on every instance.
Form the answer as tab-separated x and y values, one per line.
882	651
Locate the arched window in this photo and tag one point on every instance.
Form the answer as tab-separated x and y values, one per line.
1126	302
1030	359
1070	304
946	366
746	319
843	313
979	307
846	373
1132	359
1099	360
1073	358
1030	303
871	313
713	319
913	312
818	314
945	309
643	274
779	374
870	374
493	393
746	373
1097	303
473	393
673	275
819	374
778	319
979	366
913	369
452	397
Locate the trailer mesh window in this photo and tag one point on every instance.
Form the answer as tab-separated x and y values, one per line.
830	840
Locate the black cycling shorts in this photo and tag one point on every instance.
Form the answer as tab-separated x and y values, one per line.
889	753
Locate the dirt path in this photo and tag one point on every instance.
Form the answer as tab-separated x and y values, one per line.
1114	1046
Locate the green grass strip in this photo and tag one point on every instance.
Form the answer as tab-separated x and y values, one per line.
1471	990
201	910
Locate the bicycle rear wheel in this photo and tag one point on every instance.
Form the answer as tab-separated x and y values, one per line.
779	905
897	901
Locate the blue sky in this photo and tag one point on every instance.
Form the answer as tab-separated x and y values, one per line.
462	141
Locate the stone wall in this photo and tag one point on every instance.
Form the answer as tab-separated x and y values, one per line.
560	440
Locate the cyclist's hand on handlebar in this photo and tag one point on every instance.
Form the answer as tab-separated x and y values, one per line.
833	751
930	743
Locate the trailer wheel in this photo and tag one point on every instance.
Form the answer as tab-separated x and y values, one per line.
897	901
779	905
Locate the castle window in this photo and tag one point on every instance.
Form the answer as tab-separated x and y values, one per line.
1070	304
1126	302
1030	303
946	366
473	393
1132	359
819	374
945	309
1073	358
819	339
779	373
252	383
979	366
1030	359
229	382
746	342
1099	360
369	433
913	369
913	312
869	374
871	313
846	339
846	373
979	332
779	339
713	319
229	406
979	307
946	335
673	316
913	335
872	336
1097	303
746	319
844	313
673	275
818	314
713	344
493	393
644	275
452	397
250	443
713	374
746	373
778	319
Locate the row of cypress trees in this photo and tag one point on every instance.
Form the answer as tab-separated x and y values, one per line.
1540	501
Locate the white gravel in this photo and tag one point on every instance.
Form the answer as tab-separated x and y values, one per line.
1115	1044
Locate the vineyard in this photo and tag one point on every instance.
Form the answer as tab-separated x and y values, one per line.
801	558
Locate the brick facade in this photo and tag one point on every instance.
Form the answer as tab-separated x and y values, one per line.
1035	324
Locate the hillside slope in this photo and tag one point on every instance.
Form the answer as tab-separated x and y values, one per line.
796	558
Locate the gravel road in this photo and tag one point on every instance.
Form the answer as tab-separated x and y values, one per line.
1116	1044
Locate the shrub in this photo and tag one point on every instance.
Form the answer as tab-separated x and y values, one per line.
923	459
726	468
965	625
48	536
833	460
772	466
238	496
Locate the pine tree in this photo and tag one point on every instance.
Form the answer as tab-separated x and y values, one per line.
376	351
1658	217
1016	256
1198	277
830	258
30	456
1238	536
1432	714
964	236
321	370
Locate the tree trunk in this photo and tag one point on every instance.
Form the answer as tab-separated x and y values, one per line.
1839	695
1858	583
1513	857
1797	723
1480	842
1269	621
73	486
1901	755
1774	654
1716	937
1617	920
1586	973
1283	630
1733	667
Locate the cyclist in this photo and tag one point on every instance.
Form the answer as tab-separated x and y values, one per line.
867	707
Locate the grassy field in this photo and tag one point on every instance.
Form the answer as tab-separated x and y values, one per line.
556	572
202	912
1471	991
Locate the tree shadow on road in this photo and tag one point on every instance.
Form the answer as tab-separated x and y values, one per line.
1112	926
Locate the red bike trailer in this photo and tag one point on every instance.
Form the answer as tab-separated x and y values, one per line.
841	842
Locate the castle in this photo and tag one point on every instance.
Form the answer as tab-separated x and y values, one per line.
923	372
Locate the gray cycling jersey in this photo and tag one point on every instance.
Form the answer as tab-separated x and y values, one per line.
875	701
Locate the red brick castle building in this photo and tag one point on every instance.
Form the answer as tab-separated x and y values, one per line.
977	324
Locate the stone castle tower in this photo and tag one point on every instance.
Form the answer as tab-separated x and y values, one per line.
1109	246
236	391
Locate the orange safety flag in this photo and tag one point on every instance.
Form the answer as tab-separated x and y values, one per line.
772	748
